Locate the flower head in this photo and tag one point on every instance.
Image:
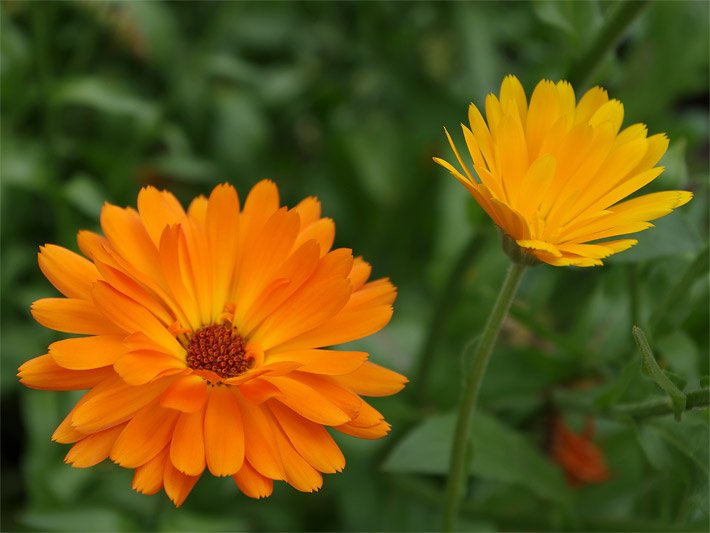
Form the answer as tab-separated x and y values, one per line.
204	342
554	174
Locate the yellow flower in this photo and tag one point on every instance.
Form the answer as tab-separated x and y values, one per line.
553	174
204	347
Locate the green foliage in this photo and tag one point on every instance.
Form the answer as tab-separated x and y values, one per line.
347	101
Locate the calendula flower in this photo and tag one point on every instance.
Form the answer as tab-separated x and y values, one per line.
554	174
204	342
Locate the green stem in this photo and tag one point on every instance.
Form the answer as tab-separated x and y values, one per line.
442	310
624	13
661	406
458	466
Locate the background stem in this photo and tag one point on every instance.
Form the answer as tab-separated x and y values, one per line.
623	14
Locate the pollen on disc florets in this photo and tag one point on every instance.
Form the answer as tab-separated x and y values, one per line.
219	348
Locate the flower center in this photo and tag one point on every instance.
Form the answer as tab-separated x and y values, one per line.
219	348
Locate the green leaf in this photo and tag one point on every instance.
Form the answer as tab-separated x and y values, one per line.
613	392
86	194
704	382
672	235
651	369
107	97
579	20
499	453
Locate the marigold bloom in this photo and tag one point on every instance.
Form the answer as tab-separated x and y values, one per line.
552	174
203	347
581	459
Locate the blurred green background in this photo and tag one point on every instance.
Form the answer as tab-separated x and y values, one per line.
347	101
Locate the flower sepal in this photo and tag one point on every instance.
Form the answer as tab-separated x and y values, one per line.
516	253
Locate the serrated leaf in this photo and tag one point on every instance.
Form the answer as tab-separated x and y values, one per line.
651	369
499	453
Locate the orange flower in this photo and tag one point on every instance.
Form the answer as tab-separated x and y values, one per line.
553	174
203	347
581	459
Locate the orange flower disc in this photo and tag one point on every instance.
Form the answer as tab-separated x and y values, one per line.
203	342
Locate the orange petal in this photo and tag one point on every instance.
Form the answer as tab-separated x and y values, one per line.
371	379
89	242
125	231
360	273
258	390
148	432
142	366
222	227
339	396
132	317
224	432
187	394
330	362
44	373
115	404
177	484
158	209
344	327
253	484
93	449
260	446
308	211
85	353
311	440
308	402
321	231
70	315
372	432
187	449
70	273
299	474
148	478
368	424
310	306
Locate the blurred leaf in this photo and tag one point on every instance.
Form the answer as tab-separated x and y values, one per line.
652	370
107	97
499	453
612	393
155	31
681	352
240	128
675	176
184	520
579	20
24	164
673	235
83	519
86	194
704	382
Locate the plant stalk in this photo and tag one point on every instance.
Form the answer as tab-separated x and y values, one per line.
624	13
458	466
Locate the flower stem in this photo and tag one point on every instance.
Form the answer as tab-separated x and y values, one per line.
458	466
444	306
661	406
624	13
